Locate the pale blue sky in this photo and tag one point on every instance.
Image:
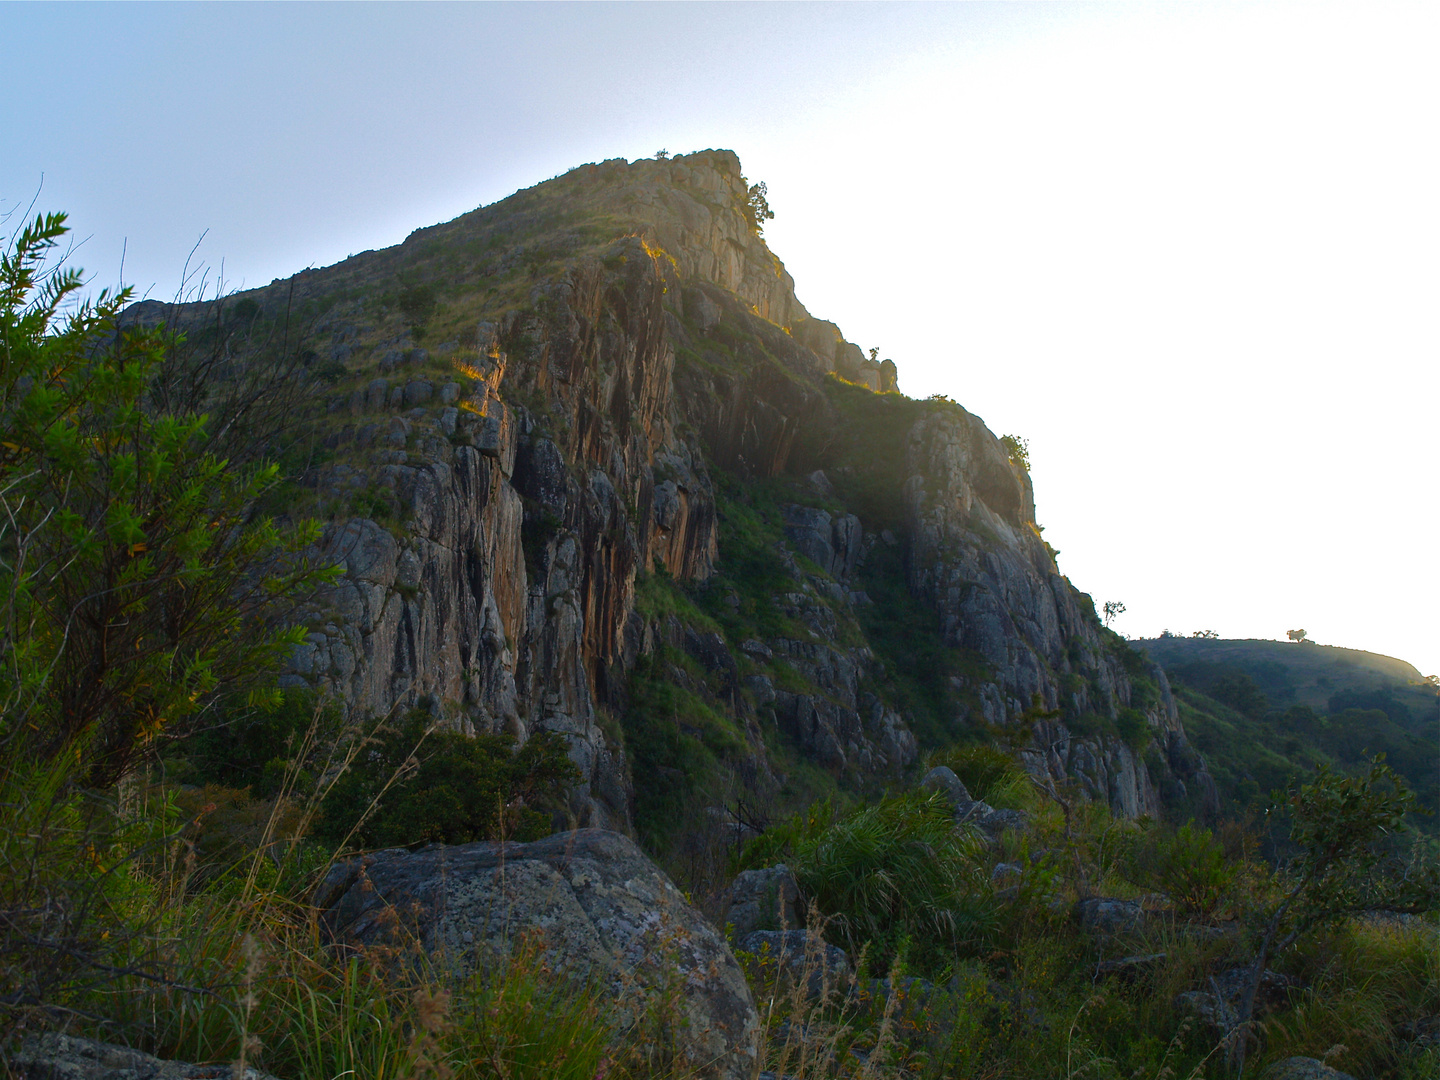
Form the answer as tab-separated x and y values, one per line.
1188	250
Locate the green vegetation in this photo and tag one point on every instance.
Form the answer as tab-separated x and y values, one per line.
1018	450
420	784
757	207
1014	988
894	879
1249	715
139	585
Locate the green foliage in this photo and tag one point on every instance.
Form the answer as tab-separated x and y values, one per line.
905	634
73	896
1131	725
429	785
1017	450
676	744
1187	864
757	207
255	748
897	877
1343	865
138	580
987	771
1241	694
417	305
1250	757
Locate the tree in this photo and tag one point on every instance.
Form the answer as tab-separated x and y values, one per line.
1113	609
1017	449
1341	867
1208	634
1297	636
138	581
757	208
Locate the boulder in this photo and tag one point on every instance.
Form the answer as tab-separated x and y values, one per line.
1106	915
943	779
1218	1004
52	1056
1303	1068
969	811
799	955
766	899
601	908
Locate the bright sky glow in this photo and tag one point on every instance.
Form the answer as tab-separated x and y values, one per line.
1188	251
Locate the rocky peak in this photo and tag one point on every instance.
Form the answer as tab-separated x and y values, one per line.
587	468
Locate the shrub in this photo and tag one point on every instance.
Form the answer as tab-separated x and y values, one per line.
984	769
896	876
1188	864
1133	728
416	785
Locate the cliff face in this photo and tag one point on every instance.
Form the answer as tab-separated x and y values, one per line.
627	496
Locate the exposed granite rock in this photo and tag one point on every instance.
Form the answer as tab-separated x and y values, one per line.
52	1056
766	899
1107	915
1303	1068
1217	1006
572	449
603	911
976	556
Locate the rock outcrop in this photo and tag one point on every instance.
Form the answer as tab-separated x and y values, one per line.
623	350
591	903
53	1056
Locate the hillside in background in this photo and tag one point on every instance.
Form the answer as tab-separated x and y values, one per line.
1264	711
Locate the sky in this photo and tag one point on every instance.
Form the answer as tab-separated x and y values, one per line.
1187	251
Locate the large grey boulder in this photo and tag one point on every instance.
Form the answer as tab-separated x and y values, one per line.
942	779
1303	1068
766	899
52	1056
601	909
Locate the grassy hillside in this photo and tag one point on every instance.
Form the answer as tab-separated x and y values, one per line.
1263	712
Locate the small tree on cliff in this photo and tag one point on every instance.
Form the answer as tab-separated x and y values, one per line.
1113	609
1017	449
757	208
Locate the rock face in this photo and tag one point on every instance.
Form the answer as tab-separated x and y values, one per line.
53	1056
580	431
601	908
977	557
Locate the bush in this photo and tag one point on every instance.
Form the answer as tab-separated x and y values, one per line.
896	877
1188	864
984	769
418	785
1131	725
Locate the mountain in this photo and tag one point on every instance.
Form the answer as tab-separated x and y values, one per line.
1263	712
591	467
